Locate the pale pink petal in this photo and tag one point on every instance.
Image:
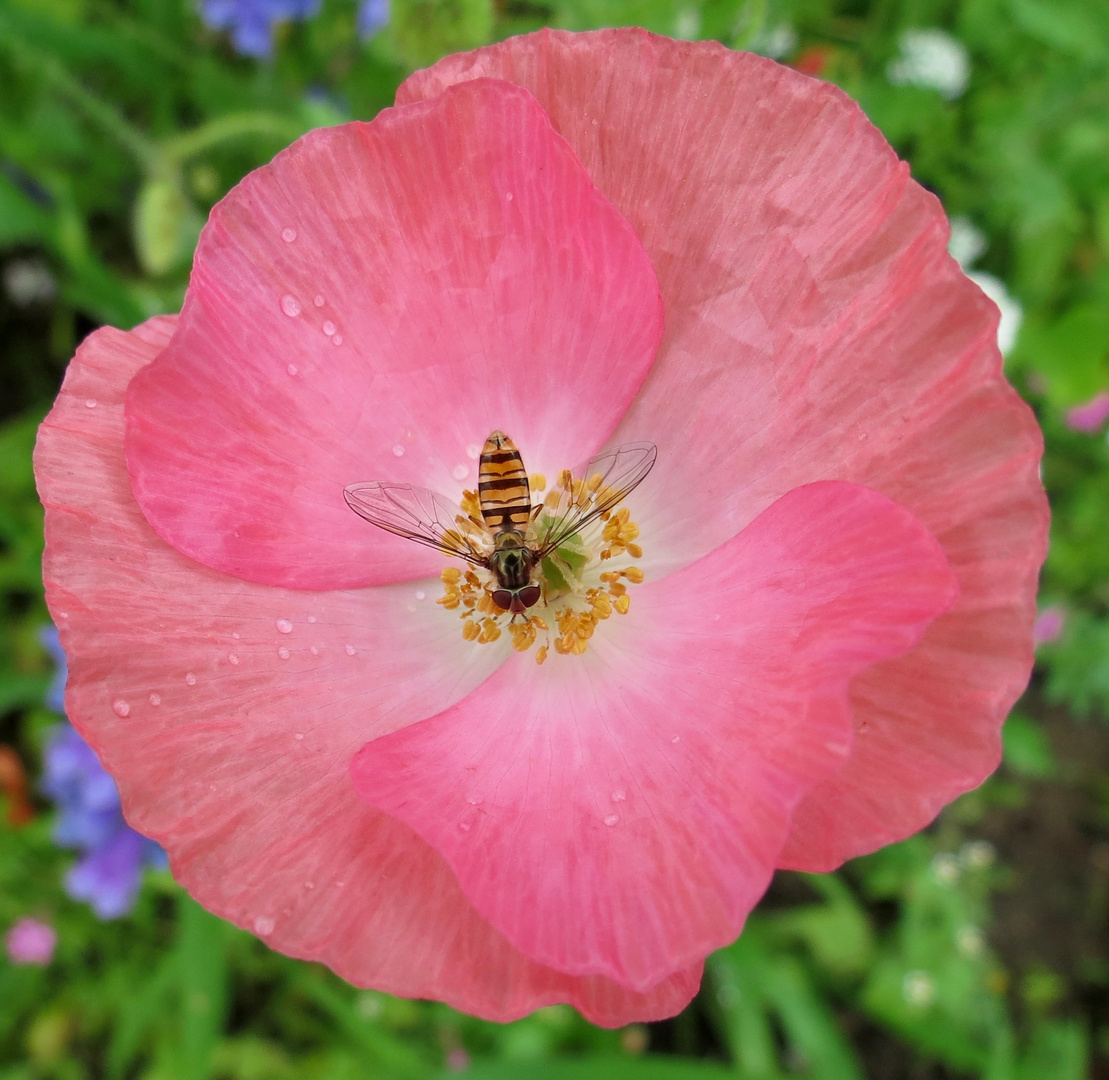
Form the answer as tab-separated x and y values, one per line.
228	713
621	813
369	307
1090	416
815	329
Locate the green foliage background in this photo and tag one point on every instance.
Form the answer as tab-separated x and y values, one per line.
123	121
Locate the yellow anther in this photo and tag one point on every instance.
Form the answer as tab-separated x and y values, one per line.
563	644
490	631
580	645
450	601
541	654
565	479
486	606
635	551
634	575
472	578
538	623
450	575
470	630
595	481
622	603
629	531
537	482
617	588
551	500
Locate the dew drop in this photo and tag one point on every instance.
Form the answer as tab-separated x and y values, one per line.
863	437
284	626
288	235
155	699
263	925
314	651
283	653
232	658
236	636
472	802
509	196
460	472
398	450
420	594
351	650
190	678
291	306
90	403
464	826
329	328
299	736
337	339
292	369
312	618
339	884
612	819
318	300
676	739
473	451
619	795
121	708
309	884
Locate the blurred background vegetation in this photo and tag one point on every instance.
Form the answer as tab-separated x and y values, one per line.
979	949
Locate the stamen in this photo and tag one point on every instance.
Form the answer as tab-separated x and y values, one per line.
578	592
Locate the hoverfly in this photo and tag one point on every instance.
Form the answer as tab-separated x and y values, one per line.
505	540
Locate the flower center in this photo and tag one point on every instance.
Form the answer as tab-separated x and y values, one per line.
583	580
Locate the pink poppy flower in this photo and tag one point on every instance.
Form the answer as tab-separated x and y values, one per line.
586	241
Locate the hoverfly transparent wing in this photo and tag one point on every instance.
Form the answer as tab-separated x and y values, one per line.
418	514
607	478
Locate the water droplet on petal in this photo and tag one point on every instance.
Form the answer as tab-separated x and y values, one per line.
351	650
288	235
291	306
309	884
232	658
676	739
619	795
318	300
509	196
263	925
190	678
314	651
464	826
121	708
329	328
236	636
283	653
420	594
863	437
292	369
398	450
473	451
460	472
284	626
337	339
299	736
311	618
155	699
90	403
612	819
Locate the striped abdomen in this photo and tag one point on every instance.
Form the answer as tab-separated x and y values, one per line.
502	487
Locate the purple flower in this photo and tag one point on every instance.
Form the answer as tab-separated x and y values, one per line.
90	819
372	16
31	942
1089	416
1048	625
251	22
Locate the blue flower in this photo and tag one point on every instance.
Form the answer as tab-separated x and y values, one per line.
90	819
251	22
55	694
372	16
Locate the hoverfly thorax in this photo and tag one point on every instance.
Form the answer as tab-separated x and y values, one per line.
549	552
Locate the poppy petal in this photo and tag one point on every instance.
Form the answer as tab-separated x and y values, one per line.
620	813
227	711
816	329
461	274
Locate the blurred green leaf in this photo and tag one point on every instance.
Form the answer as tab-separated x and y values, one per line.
617	1068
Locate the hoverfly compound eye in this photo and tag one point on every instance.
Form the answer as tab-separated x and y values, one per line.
529	597
503	599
